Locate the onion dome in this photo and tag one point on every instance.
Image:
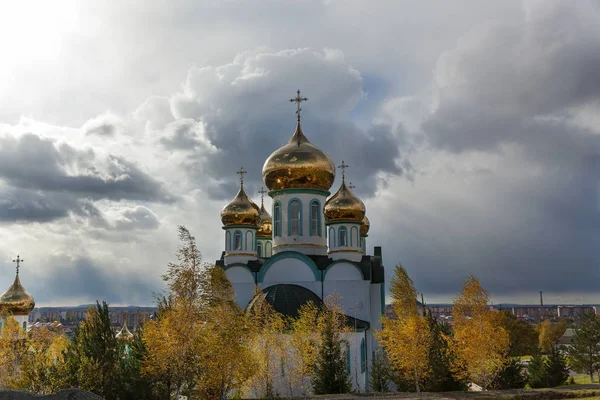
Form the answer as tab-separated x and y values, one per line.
344	206
124	334
286	299
265	226
364	228
241	210
299	164
16	300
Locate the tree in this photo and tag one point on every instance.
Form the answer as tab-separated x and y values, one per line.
303	350
556	368
441	378
522	336
480	345
407	340
133	385
43	364
380	372
331	372
511	376
550	333
12	350
92	357
537	370
584	353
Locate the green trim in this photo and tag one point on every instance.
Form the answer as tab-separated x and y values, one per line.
233	244
344	221
288	254
237	265
228	241
239	227
339	230
363	355
348	359
352	237
279	192
246	241
342	261
277	225
331	237
259	253
319	219
300	219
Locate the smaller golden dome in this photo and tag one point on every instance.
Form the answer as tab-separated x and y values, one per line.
265	226
124	334
364	228
16	300
240	211
344	206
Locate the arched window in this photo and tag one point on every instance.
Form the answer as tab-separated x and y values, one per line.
331	238
268	250
343	236
259	249
249	245
348	358
237	240
363	355
354	238
294	217
228	241
25	326
277	219
315	218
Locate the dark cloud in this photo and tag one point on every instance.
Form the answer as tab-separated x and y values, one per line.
138	217
31	162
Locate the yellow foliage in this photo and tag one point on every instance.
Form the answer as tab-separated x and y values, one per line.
479	345
550	333
404	294
12	350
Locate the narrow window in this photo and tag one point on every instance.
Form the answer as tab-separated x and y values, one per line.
249	241
268	250
237	240
259	249
25	326
343	236
331	238
315	220
295	217
228	241
363	355
348	358
277	219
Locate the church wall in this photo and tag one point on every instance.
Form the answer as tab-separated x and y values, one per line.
354	295
352	248
303	242
289	270
243	283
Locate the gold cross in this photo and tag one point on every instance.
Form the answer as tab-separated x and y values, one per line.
241	172
262	192
343	167
18	260
351	186
298	100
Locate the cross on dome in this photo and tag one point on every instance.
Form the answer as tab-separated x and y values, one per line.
351	186
343	167
298	100
241	172
262	192
18	260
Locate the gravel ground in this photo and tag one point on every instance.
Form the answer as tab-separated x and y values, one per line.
68	394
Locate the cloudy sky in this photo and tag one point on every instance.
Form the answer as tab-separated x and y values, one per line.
472	130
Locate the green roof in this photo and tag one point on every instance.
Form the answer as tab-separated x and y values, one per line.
287	299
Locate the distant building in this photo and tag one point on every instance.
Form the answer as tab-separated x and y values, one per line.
575	312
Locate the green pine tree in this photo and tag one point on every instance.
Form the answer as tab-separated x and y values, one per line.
440	378
537	371
331	373
584	353
92	357
511	377
556	368
380	372
133	385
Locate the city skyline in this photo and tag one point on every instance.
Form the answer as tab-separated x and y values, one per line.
471	131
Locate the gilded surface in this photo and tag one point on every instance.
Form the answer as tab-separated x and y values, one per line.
298	164
16	300
364	228
265	227
240	211
124	334
344	206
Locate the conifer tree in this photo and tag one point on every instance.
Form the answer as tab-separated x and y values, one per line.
584	353
556	368
380	372
511	376
537	371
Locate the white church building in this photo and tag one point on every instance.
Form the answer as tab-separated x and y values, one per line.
310	246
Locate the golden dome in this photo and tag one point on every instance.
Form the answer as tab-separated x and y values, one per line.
364	228
299	164
240	211
344	206
124	334
16	300
265	226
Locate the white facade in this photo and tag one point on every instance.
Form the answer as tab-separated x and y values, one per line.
345	241
240	244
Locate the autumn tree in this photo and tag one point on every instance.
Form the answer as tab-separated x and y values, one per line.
380	372
407	340
584	353
480	345
302	351
550	333
522	336
43	364
12	350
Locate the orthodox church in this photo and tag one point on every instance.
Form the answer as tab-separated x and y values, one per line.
16	301
311	245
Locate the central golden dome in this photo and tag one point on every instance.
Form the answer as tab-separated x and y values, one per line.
299	164
344	206
240	211
265	226
364	228
16	300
